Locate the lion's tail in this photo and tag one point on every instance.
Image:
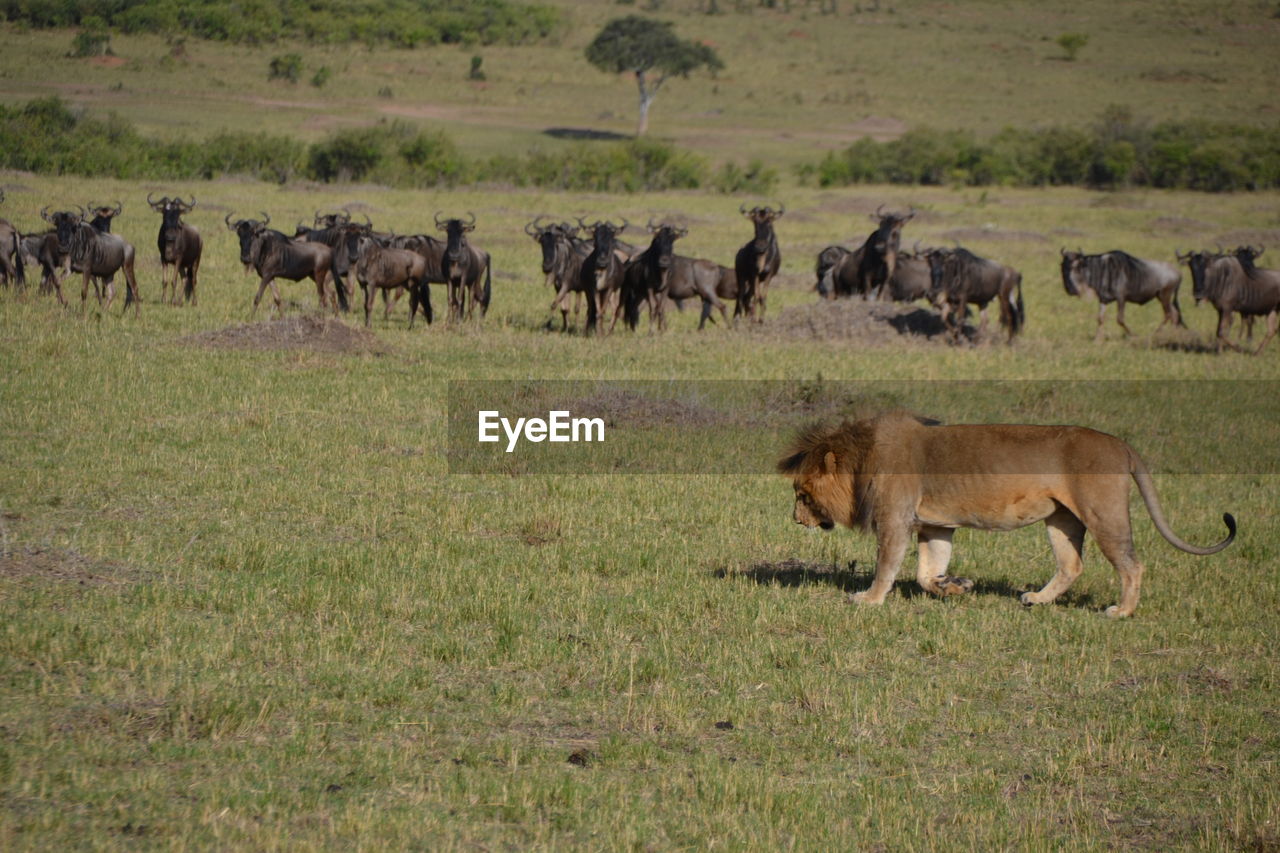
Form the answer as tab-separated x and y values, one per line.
1147	489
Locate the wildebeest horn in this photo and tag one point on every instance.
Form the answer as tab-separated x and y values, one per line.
187	205
742	208
781	210
266	218
471	218
119	208
227	219
438	223
531	229
878	214
911	214
624	225
155	204
44	214
82	211
368	223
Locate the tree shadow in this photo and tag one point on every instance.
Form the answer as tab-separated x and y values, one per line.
584	133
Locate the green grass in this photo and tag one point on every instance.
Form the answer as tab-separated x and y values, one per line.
295	630
796	85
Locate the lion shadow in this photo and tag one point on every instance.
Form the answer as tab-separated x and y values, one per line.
850	579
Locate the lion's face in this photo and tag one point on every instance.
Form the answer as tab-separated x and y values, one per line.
823	495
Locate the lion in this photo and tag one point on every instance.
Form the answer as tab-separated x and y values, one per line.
896	473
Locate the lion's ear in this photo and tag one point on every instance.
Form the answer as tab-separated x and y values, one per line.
829	462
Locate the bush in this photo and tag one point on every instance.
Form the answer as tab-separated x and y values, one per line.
93	39
321	77
1072	44
287	67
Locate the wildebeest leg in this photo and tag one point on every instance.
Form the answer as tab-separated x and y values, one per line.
262	286
131	288
931	571
982	320
368	303
1224	329
1171	315
1273	319
390	301
1120	317
592	306
1102	316
190	283
1066	536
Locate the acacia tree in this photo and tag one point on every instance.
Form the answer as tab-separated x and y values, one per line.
650	50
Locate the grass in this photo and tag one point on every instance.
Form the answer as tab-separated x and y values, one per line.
274	621
796	85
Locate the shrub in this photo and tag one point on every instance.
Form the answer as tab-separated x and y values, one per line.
94	39
1072	44
286	67
321	77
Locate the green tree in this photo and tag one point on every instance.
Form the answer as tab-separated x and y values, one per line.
651	51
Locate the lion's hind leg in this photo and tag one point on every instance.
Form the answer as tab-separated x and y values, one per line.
935	554
1066	535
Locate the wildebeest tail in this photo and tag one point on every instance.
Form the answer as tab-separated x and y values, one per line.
1017	310
1178	308
340	287
488	288
20	269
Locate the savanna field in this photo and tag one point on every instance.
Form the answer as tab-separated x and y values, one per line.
244	603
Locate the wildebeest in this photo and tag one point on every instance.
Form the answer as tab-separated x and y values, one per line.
43	250
97	255
383	268
11	266
645	277
329	228
1119	277
960	278
757	262
601	271
180	248
1233	284
273	254
562	256
837	270
465	268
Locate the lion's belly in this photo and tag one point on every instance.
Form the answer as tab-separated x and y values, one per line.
1004	512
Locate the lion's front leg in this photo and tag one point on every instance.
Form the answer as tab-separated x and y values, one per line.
892	542
935	554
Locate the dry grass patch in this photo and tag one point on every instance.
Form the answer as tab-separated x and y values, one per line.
62	567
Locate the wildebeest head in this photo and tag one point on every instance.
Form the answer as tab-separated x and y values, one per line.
171	209
603	235
103	214
1246	255
65	223
937	260
762	218
889	231
548	239
329	220
352	235
455	231
1197	263
662	246
246	230
1071	262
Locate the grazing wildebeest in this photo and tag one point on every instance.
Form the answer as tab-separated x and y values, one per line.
97	255
757	262
960	278
383	268
11	266
464	267
1119	277
1234	285
180	248
273	254
645	277
44	251
601	271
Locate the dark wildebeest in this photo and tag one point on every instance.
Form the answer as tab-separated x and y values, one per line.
273	254
601	271
382	268
757	262
103	214
1119	277
1234	285
329	229
465	268
960	278
645	278
562	257
878	256
180	248
97	255
837	275
11	266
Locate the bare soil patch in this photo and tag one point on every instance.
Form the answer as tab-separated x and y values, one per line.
869	324
306	332
63	567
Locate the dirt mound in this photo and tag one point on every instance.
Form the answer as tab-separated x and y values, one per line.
308	332
867	323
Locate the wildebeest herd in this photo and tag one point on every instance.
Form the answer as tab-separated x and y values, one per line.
616	279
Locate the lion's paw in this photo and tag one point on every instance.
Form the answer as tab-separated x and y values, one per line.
1114	612
948	585
1028	599
865	597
